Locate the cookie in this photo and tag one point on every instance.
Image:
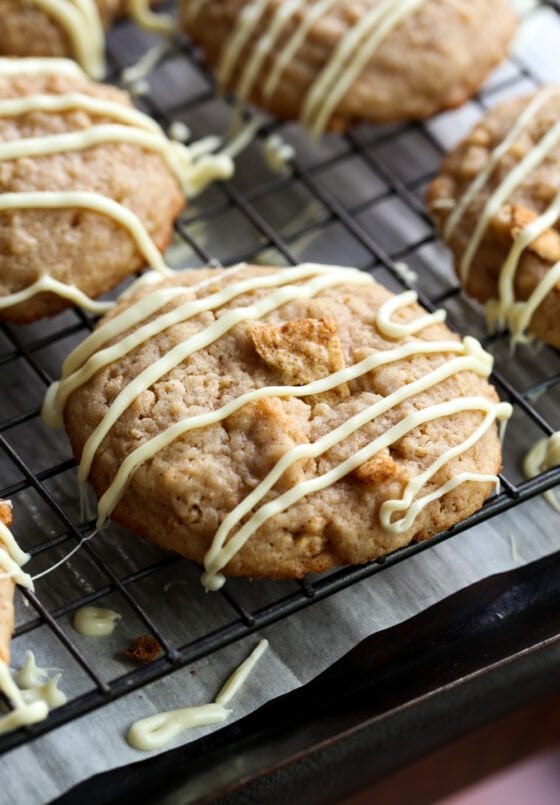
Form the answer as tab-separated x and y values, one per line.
333	63
76	30
276	422
89	188
496	202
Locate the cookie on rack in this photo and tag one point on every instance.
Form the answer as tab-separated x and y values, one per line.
64	28
276	422
496	202
7	589
333	63
89	188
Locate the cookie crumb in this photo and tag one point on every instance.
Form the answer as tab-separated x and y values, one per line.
144	649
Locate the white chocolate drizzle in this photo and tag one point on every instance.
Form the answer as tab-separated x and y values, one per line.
89	358
348	60
155	731
506	310
544	455
95	621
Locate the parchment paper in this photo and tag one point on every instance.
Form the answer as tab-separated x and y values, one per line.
303	645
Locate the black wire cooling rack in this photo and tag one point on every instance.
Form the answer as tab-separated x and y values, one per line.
386	224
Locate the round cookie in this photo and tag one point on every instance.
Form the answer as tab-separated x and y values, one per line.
496	202
334	63
417	448
73	239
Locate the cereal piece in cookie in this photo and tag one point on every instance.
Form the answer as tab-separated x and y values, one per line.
496	202
89	189
333	63
220	434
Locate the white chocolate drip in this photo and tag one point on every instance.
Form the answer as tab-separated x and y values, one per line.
31	693
544	455
278	154
155	731
22	714
12	558
349	58
505	310
89	359
95	621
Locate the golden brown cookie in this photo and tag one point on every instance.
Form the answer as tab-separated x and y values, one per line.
333	63
496	202
60	166
390	415
7	589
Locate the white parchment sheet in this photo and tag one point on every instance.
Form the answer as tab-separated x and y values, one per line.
302	645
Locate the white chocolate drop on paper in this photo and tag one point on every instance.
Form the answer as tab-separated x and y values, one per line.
544	455
95	621
155	731
236	681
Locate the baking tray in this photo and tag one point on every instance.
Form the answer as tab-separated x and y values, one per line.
353	200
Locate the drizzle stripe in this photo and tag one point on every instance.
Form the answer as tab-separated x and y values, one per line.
520	315
45	66
394	329
47	284
95	202
11	107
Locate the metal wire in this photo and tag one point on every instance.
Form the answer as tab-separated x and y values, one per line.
26	351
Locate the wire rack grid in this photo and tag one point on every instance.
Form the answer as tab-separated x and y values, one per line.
318	211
